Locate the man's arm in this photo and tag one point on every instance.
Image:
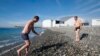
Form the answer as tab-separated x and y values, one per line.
81	24
34	31
74	26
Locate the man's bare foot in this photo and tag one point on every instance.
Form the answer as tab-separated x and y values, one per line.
19	53
77	41
26	54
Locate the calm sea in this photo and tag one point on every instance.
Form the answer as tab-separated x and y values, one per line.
10	36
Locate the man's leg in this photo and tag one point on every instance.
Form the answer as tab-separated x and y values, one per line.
19	53
78	35
27	49
27	43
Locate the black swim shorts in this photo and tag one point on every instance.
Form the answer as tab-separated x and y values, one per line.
76	28
25	36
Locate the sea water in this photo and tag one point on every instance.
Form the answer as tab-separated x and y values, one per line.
10	36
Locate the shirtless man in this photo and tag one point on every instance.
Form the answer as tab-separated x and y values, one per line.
26	30
77	25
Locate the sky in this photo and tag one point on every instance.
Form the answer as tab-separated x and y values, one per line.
18	12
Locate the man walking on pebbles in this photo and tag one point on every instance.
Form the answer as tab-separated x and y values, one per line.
77	29
26	30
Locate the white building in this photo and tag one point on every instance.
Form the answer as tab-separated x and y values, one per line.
47	23
95	22
62	22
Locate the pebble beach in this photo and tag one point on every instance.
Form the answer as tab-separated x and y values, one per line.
60	42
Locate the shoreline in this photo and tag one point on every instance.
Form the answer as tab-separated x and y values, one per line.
6	49
4	52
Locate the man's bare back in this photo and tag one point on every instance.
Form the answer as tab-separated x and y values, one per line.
28	27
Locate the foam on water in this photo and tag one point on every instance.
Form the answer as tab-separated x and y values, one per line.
4	41
7	44
1	46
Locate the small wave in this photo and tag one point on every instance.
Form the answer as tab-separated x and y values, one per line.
1	46
4	41
8	44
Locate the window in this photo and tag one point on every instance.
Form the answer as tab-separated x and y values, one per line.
85	24
57	22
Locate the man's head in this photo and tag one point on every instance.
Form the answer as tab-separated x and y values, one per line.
36	18
76	18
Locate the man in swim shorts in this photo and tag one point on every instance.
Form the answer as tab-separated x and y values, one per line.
77	25
29	26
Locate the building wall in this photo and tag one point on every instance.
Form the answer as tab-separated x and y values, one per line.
95	22
70	22
47	23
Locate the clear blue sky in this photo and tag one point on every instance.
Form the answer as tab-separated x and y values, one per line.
13	12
